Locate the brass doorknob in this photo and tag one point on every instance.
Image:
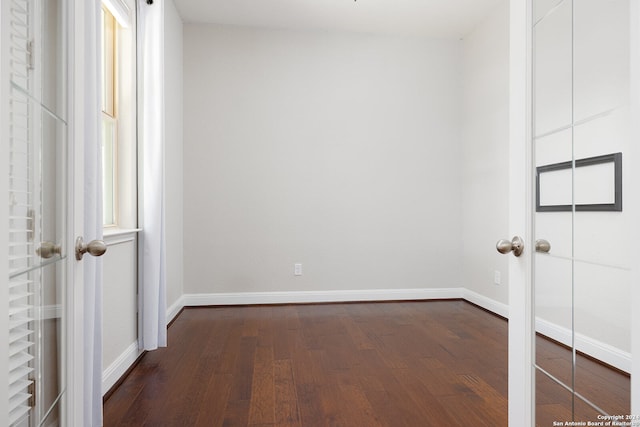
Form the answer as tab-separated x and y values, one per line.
516	245
94	247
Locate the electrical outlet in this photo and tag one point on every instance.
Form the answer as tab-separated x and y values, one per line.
497	277
297	269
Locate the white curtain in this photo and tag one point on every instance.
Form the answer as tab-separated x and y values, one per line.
153	328
92	217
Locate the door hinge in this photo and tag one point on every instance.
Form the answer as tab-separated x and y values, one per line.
32	391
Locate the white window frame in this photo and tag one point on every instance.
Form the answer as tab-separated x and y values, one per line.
124	117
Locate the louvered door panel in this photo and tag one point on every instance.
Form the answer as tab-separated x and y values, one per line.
21	220
37	202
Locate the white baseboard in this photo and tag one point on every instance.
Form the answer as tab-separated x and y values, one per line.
608	354
487	303
117	369
174	309
599	350
242	298
602	351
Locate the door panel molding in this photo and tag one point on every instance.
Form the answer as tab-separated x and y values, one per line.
521	372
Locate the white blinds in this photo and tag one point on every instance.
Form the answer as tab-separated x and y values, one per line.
21	218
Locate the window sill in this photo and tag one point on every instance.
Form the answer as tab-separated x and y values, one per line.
114	236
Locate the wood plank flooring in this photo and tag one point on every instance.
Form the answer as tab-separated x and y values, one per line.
435	363
602	386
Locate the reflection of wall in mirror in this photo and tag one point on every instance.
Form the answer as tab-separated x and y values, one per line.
600	111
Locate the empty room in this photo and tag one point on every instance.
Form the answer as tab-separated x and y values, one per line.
320	213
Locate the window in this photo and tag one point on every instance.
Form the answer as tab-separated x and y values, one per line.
109	119
119	129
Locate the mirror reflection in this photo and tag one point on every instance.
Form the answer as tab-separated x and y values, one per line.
582	286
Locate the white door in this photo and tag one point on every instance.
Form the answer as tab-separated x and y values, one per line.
42	91
38	205
573	199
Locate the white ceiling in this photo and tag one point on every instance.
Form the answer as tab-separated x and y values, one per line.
432	18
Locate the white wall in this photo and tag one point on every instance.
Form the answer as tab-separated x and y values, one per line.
337	151
485	155
173	153
119	302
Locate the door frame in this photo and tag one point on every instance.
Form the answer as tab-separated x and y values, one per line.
521	349
633	199
77	367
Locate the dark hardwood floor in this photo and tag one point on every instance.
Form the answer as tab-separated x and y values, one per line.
602	386
435	363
